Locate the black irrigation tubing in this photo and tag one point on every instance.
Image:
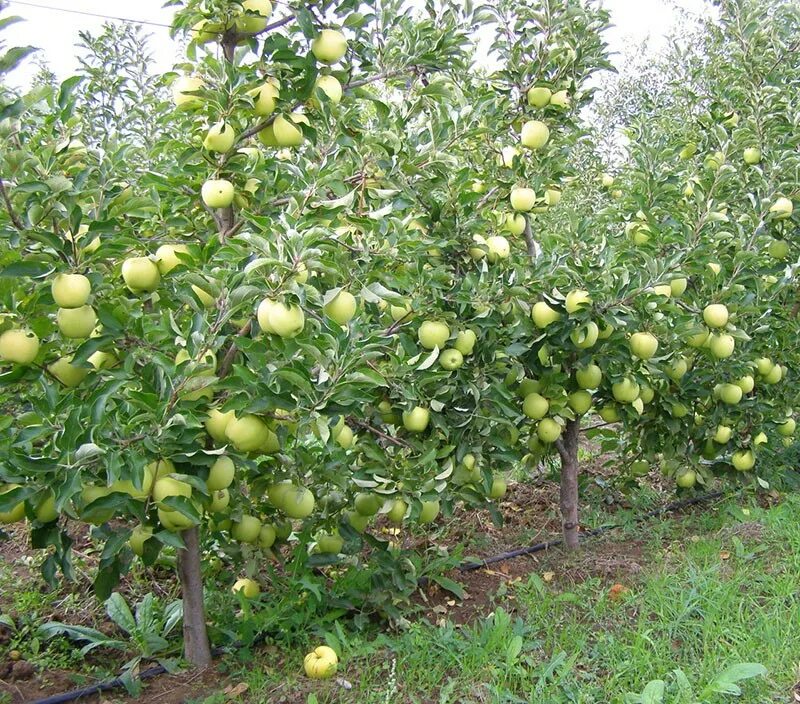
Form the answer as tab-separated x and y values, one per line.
463	567
546	545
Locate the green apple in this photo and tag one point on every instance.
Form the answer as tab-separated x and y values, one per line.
248	433
16	512
286	132
743	460
677	368
580	401
138	537
722	434
166	487
70	290
538	96
220	476
646	393
560	99
688	151
216	424
329	543
140	274
298	502
465	342
679	410
367	504
728	393
698	339
775	375
752	155
643	345
498	247
498	489
746	383
589	377
787	428
686	479
219	500
514	223
714	161
606	180
548	430
167	257
585	336
552	196
102	360
329	46
764	366
265	96
217	193
416	420
715	315
341	308
246	587
782	208
76	323
19	346
182	89
266	536
46	510
542	314
508	155
428	512
479	251
534	134
639	468
535	406
576	300
714	268
721	345
678	286
331	87
478	186
246	529
609	413
522	199
256	20
321	663
357	521
69	375
451	359
398	511
432	334
760	439
778	249
286	320
220	138
625	391
345	437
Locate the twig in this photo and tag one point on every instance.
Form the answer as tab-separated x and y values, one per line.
529	243
10	208
379	433
230	353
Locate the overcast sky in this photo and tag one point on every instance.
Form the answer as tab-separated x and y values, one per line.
56	32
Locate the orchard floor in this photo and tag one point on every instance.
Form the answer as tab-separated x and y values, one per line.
697	592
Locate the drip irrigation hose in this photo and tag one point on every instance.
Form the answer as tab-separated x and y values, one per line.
546	545
93	689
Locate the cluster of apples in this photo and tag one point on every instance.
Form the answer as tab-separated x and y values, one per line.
281	130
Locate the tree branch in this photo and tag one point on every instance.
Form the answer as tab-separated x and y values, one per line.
10	208
529	243
388	438
230	353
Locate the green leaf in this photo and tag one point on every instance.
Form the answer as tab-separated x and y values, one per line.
119	612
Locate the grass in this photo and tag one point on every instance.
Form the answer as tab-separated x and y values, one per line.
706	599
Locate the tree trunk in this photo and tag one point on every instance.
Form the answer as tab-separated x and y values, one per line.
196	647
568	450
